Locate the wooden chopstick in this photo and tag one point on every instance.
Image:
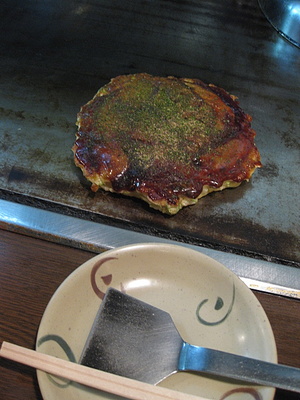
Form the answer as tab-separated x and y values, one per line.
91	377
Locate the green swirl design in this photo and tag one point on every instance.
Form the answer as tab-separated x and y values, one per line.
219	304
66	348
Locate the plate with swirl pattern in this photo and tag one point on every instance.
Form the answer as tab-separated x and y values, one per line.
209	304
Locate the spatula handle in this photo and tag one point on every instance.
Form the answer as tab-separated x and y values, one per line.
195	358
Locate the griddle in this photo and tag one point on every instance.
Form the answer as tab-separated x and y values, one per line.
55	55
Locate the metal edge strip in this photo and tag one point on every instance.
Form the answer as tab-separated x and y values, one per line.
257	274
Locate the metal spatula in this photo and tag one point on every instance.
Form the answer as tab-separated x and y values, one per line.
136	340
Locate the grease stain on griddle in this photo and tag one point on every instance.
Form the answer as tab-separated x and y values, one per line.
5	112
17	174
5	142
38	120
269	170
242	236
262	239
40	155
289	141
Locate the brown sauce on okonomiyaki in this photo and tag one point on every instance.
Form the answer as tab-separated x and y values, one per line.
164	139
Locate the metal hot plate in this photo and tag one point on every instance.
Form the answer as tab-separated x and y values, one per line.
55	55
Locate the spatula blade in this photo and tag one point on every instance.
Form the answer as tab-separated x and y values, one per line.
132	339
139	341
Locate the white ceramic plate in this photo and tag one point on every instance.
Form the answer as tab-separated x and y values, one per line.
209	304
